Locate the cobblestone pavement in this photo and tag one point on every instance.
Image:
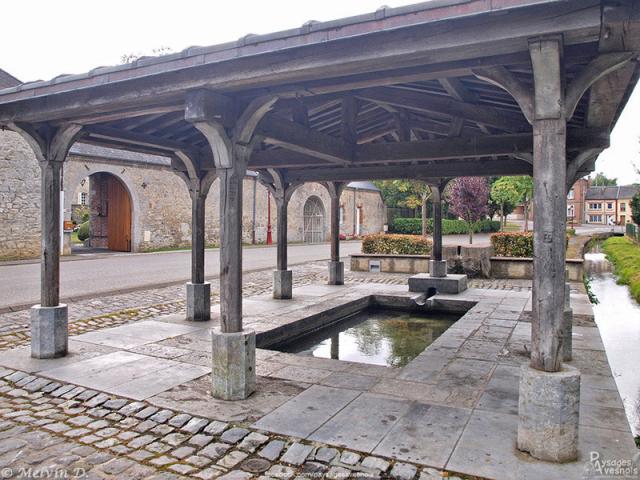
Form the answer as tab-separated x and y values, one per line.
113	310
53	430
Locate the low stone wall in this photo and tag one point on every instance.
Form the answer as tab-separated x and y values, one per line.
391	263
500	267
522	268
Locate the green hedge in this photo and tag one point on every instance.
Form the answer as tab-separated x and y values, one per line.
83	231
512	244
413	226
396	244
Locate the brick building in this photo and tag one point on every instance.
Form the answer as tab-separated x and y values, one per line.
609	205
576	202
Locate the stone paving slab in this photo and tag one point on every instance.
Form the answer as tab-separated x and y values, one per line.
129	374
426	434
363	423
319	404
137	334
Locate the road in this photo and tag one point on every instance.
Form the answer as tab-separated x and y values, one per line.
99	274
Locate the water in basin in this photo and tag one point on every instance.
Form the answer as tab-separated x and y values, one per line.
381	337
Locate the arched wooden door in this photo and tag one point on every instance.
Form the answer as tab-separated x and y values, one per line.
313	221
119	216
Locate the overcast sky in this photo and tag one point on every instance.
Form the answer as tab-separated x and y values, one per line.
45	38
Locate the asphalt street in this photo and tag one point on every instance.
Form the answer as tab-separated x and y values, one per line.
92	275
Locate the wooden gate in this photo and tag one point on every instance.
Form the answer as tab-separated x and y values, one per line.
119	215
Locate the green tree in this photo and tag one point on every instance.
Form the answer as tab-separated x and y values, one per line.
635	208
600	180
413	194
505	192
525	187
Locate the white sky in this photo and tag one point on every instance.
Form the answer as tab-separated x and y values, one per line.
45	38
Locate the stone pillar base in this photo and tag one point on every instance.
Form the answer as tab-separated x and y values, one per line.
548	411
567	337
425	282
198	302
438	268
282	284
233	372
49	331
336	273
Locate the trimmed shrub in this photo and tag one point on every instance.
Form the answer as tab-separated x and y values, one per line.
396	244
512	244
413	226
407	226
83	231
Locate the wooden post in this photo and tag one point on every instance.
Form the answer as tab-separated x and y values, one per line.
231	180
550	205
282	203
335	228
336	267
49	320
197	237
230	138
50	241
199	182
437	224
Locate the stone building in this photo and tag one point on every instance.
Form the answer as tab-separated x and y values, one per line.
159	208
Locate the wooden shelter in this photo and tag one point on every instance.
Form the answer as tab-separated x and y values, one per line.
431	91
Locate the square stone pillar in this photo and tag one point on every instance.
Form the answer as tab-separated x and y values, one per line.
282	284
198	302
233	374
49	331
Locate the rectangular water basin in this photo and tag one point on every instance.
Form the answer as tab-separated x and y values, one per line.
377	336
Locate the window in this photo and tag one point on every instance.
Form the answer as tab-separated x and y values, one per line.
83	198
595	218
341	215
570	195
610	205
571	211
623	207
595	206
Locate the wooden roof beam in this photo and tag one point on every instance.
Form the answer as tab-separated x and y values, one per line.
297	138
488	167
506	121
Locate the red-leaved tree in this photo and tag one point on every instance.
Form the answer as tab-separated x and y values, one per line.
469	200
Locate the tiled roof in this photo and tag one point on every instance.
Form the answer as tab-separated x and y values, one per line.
611	193
385	18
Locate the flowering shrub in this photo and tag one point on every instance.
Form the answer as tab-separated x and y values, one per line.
396	244
512	244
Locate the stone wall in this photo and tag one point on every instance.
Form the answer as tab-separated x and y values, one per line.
19	198
161	214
